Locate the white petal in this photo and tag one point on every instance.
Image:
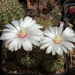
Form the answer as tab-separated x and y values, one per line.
45	45
8	41
9	30
60	51
16	45
46	38
68	45
53	52
39	26
16	24
68	33
61	29
34	42
34	26
27	20
21	23
13	45
49	34
27	44
49	49
63	48
71	39
55	49
20	43
46	42
52	30
34	38
71	44
25	47
7	36
57	31
36	32
11	27
31	25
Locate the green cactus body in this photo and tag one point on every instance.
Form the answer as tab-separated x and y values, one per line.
52	63
10	10
43	20
31	58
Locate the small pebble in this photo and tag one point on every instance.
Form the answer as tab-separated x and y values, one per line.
73	62
14	71
10	71
4	69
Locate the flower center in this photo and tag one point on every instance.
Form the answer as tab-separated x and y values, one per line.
22	34
57	40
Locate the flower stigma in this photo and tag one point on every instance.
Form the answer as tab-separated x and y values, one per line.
57	40
22	34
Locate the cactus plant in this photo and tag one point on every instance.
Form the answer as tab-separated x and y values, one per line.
31	58
52	63
43	20
51	18
10	10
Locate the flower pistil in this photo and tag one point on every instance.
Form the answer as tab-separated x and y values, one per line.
22	34
57	40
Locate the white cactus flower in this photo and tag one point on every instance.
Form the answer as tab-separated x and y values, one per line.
57	40
22	33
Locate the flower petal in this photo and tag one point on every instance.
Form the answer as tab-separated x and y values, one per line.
61	29
34	38
60	51
52	30
21	23
13	46
16	24
45	45
68	45
27	44
34	42
68	33
63	48
27	21
7	36
71	39
49	49
9	30
9	41
49	34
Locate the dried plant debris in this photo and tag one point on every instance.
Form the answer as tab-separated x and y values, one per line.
45	8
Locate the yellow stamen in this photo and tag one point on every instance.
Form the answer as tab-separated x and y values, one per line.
22	34
57	40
